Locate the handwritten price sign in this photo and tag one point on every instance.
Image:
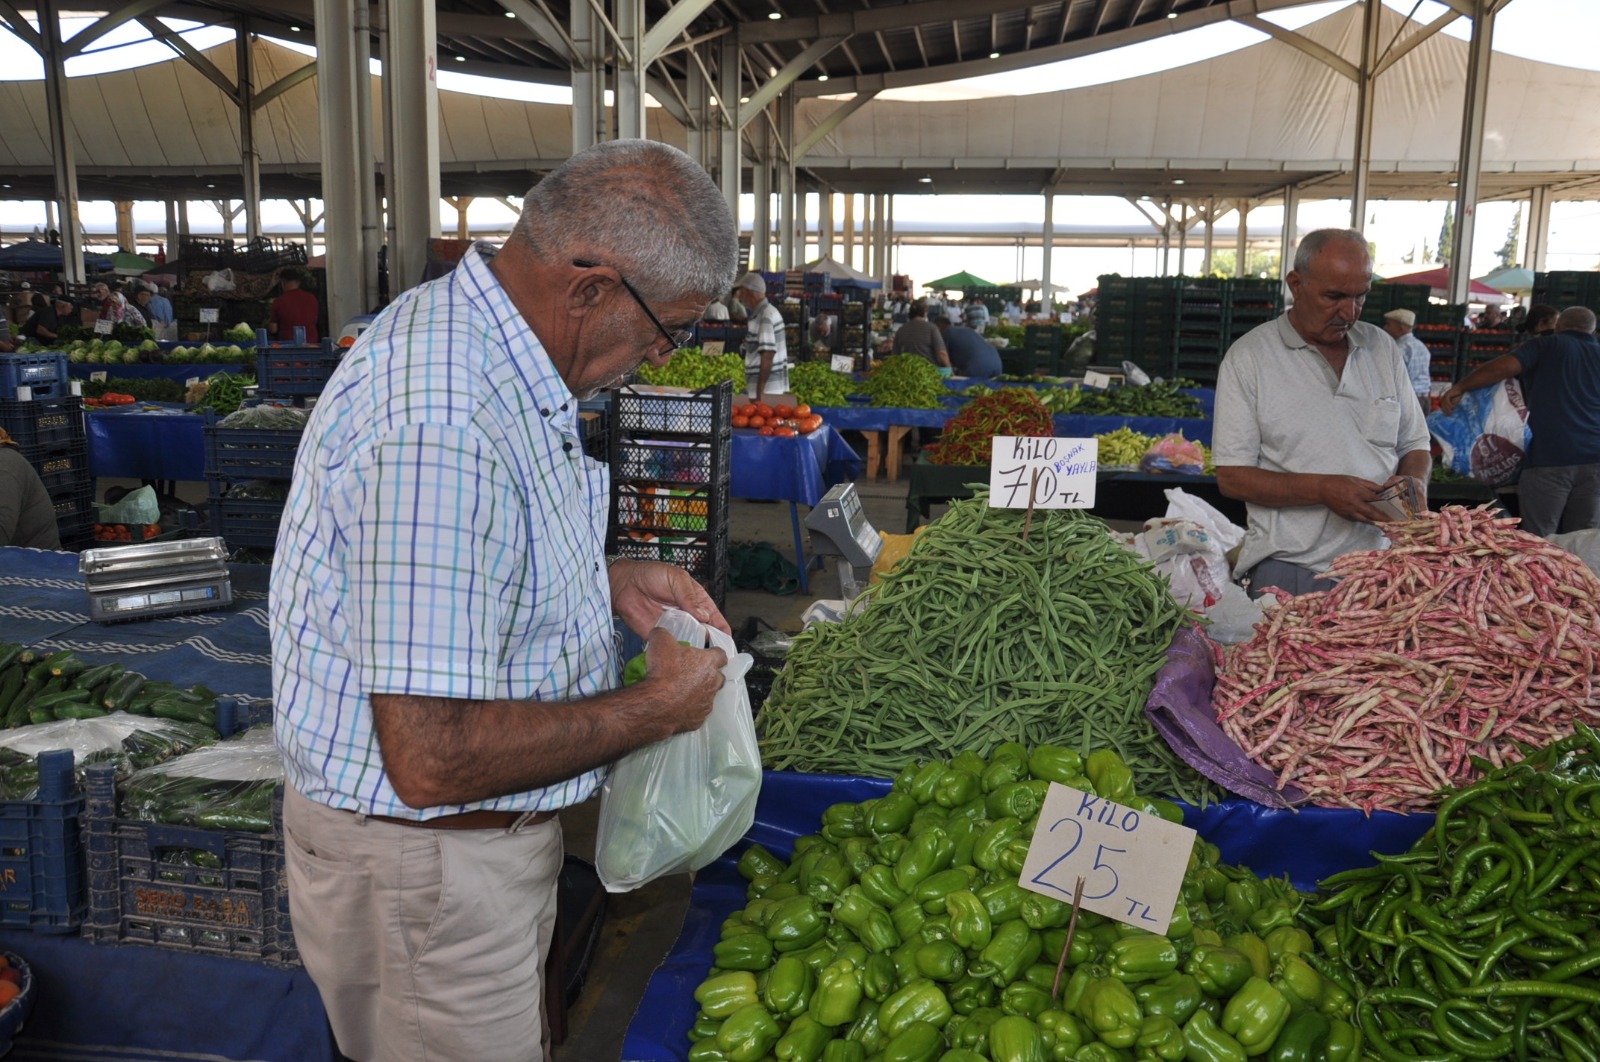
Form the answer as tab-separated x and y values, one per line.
1048	473
1131	863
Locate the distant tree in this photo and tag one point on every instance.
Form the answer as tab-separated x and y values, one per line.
1447	232
1410	256
1427	252
1508	250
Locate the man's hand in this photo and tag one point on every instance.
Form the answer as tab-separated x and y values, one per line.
642	590
1351	497
1450	399
689	678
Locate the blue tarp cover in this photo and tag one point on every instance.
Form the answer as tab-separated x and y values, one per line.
1307	845
799	468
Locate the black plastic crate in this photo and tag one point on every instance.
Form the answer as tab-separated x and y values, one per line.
44	423
296	371
674	461
657	411
41	852
75	528
251	453
143	889
45	373
62	471
704	557
663	507
248	522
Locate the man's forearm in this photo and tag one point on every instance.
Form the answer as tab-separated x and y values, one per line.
1502	368
1418	464
445	751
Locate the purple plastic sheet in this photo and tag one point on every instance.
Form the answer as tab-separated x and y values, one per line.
1180	709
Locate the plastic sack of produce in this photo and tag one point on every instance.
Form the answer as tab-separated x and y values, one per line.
226	786
1174	453
678	804
132	742
1487	434
138	506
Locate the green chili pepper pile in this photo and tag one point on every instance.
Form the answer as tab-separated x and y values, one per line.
224	393
979	637
816	384
690	368
1481	941
969	436
906	381
900	932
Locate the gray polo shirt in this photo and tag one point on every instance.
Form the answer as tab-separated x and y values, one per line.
1280	407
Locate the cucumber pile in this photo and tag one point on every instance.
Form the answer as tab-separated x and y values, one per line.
38	687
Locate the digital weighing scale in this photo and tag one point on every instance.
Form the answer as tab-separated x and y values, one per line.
151	579
839	528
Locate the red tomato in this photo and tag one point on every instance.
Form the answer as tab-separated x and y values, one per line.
767	429
785	432
10	974
802	410
757	421
741	422
763	409
782	411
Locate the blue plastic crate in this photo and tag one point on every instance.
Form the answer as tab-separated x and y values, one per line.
45	373
238	907
61	471
41	852
245	522
45	424
251	453
296	371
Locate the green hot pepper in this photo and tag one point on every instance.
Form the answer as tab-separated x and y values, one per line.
870	922
956	788
971	994
993	841
971	1031
1025	999
1003	900
877	881
1063	1034
879	977
1111	777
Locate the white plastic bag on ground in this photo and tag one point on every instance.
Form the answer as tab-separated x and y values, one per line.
1585	545
678	804
1487	434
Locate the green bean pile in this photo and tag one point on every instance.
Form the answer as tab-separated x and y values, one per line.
979	638
1480	942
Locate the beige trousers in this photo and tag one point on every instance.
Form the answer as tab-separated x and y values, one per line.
426	945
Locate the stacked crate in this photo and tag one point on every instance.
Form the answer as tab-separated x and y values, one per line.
1200	329
1134	321
1385	297
1479	346
671	459
294	372
41	852
50	432
1563	288
855	325
1439	328
241	462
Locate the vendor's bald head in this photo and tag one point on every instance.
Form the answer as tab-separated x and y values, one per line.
1331	278
1576	319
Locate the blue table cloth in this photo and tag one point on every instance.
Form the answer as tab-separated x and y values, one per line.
1068	425
798	468
100	1003
80	370
1306	845
43	602
151	440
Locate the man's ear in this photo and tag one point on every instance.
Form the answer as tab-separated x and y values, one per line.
586	291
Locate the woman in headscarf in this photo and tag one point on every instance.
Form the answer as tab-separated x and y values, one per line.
27	516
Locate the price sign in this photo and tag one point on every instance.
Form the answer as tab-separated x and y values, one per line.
24	393
712	348
102	327
191	381
1131	862
1047	473
99	375
842	363
77	388
208	316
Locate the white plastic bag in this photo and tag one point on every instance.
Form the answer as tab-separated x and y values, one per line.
1486	436
678	804
219	280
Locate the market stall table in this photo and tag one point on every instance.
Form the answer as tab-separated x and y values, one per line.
798	469
1130	495
149	440
1307	845
82	370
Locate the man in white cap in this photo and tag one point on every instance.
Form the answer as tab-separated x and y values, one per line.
1399	325
766	351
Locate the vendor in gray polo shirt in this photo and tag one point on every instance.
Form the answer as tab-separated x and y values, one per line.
1314	418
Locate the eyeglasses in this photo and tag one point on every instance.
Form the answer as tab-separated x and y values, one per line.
674	339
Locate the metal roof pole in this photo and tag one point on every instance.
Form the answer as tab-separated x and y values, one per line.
412	92
249	158
1183	238
824	222
1166	237
366	156
1538	238
761	186
730	149
1366	99
1241	260
699	98
848	235
341	196
172	227
62	148
1045	288
1291	232
1211	236
589	121
784	159
888	240
630	69
126	239
1479	50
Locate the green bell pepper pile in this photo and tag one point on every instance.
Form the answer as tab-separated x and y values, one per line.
900	932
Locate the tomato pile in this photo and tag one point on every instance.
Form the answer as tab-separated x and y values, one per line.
110	398
776	420
125	532
10	981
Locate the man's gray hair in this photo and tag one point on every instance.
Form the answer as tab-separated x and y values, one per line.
1314	243
1576	319
642	207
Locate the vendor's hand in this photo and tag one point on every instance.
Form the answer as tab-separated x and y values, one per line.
1419	489
687	679
1450	400
1351	497
642	590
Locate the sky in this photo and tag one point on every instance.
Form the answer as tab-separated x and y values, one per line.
1555	31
